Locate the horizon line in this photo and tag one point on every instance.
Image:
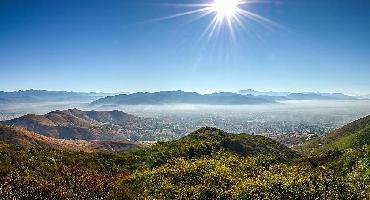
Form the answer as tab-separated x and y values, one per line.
209	92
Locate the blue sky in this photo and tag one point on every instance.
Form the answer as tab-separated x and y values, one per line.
111	46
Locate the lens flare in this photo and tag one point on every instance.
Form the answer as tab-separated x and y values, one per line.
226	13
225	8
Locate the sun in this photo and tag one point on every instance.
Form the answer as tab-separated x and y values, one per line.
231	14
225	8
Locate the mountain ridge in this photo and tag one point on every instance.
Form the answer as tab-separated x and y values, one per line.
297	95
180	97
35	96
78	124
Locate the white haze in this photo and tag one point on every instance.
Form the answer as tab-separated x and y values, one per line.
322	115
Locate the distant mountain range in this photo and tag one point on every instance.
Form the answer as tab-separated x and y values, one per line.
48	96
258	93
181	97
319	96
365	96
81	125
297	96
242	97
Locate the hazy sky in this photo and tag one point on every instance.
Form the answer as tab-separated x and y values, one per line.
112	45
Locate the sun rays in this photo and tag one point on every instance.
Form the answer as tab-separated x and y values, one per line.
226	14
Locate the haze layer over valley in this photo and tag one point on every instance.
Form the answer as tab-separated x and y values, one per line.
288	121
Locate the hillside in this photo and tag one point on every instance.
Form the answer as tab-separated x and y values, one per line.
207	164
241	144
211	141
180	97
353	135
77	124
27	139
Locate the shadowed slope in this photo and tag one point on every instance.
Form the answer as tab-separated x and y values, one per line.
24	138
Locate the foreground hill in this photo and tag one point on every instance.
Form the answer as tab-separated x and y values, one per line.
77	124
24	138
353	135
206	164
180	97
210	140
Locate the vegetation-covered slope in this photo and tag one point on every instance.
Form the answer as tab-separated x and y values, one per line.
207	141
207	164
23	138
353	135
